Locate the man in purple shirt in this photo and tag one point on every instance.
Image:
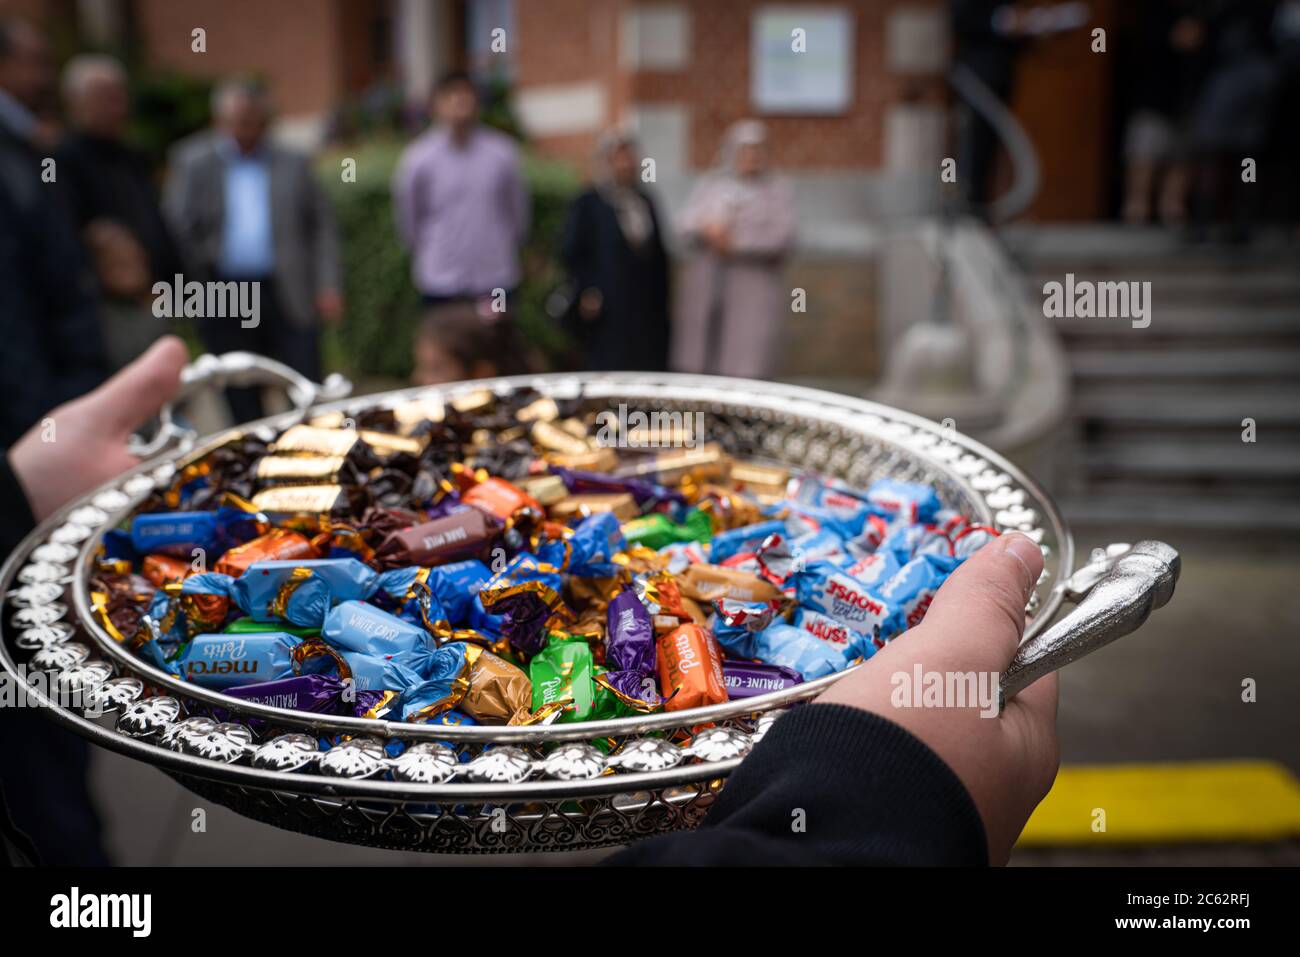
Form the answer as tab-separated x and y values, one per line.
462	209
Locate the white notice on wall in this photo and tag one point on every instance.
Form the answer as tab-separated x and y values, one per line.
801	60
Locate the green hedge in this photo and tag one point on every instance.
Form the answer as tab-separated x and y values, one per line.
374	340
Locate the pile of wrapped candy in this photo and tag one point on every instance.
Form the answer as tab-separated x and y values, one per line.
491	561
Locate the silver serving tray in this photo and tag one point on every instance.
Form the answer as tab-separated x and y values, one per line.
492	789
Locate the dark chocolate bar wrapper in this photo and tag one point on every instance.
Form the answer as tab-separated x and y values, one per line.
462	533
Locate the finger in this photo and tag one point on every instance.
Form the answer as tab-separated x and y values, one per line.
979	613
131	397
1038	703
1031	715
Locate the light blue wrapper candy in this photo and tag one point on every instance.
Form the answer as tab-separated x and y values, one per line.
911	590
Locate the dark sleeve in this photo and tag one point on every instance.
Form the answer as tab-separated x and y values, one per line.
973	19
15	515
575	247
830	784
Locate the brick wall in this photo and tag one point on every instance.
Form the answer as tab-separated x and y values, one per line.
296	47
577	41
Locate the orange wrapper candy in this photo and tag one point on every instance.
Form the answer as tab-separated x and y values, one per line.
161	569
277	544
690	669
498	497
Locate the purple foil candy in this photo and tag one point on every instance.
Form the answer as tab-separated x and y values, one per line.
320	694
636	685
745	679
630	635
578	481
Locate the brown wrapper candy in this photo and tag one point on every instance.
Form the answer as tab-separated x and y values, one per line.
594	460
464	533
690	669
499	693
764	478
708	583
622	504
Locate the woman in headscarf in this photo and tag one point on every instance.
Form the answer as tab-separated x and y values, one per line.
614	252
741	224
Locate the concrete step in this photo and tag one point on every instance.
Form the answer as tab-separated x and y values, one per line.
1221	512
1188	322
1191	461
1252	364
1181	408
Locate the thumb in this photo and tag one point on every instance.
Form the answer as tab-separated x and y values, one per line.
138	391
979	613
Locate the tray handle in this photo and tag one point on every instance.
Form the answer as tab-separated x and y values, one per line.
234	369
1138	582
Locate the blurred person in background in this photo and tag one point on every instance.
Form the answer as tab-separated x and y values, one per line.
740	223
116	204
1232	115
1286	131
1168	63
462	208
46	815
53	349
245	209
614	251
457	342
989	35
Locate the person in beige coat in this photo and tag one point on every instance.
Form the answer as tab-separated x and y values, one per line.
739	224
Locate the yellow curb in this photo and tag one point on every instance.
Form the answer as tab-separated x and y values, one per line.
1177	803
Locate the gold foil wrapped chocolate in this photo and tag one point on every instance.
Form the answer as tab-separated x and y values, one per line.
316	440
547	489
622	504
300	469
552	438
593	460
498	693
292	499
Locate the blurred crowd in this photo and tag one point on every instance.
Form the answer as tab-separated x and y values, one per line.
93	232
1205	86
90	229
1215	83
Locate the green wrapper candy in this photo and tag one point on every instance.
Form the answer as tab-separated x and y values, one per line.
657	530
564	669
246	626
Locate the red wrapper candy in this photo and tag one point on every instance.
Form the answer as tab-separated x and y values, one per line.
690	669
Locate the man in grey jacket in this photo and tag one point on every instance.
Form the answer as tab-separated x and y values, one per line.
246	210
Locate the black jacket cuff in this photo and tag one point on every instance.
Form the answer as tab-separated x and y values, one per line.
831	784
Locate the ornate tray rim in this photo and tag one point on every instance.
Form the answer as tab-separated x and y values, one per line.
719	389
